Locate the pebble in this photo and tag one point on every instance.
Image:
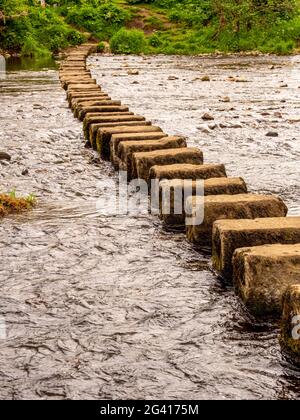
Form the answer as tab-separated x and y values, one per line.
225	99
133	72
207	117
4	156
272	134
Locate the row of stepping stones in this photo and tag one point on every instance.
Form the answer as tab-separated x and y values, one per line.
254	243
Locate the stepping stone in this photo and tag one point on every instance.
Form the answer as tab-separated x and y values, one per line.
96	102
290	323
77	102
173	194
109	115
126	149
188	171
101	109
68	74
83	87
78	111
116	139
217	207
144	161
84	94
73	65
88	121
228	235
68	79
86	81
103	135
262	274
96	91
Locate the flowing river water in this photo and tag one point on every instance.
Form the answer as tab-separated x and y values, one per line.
106	306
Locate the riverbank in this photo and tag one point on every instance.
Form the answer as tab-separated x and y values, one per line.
158	27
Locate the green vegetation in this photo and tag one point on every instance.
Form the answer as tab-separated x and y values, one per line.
232	26
10	203
128	42
169	26
32	30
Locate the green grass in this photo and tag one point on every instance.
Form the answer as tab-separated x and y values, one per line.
169	26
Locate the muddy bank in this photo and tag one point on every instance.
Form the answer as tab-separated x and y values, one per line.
114	307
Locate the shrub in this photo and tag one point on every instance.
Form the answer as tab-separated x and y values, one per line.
128	42
155	41
101	47
102	20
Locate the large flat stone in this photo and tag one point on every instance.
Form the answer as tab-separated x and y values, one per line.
116	139
228	235
262	274
82	87
83	78
95	102
87	81
239	206
77	102
170	191
88	121
126	149
95	91
116	125
187	171
100	109
290	323
103	136
144	161
72	96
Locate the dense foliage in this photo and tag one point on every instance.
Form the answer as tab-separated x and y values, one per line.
229	25
170	26
33	30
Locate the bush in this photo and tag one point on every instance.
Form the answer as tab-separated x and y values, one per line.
128	42
101	47
155	41
102	20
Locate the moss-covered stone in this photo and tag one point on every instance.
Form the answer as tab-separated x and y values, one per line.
187	171
228	235
240	206
126	149
172	190
144	161
89	120
101	109
103	135
290	323
116	139
262	274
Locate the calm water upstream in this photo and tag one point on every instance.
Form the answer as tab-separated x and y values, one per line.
113	306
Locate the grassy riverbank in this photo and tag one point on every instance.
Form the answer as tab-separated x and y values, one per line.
151	26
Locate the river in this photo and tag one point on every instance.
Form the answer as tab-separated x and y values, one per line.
112	307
